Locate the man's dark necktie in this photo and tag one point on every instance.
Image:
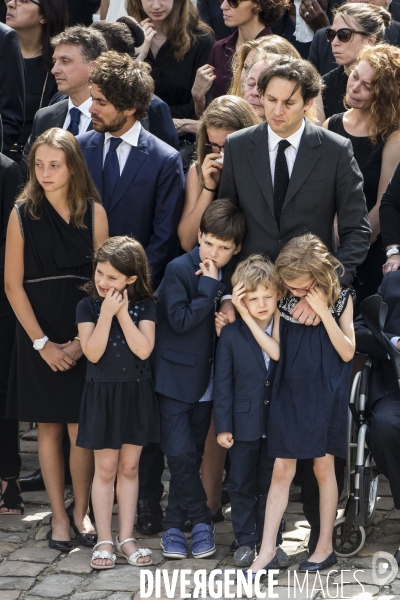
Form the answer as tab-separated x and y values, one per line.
111	172
281	179
75	116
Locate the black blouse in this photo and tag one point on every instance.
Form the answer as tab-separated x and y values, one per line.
334	92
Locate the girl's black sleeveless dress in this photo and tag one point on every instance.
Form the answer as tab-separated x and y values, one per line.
57	262
369	160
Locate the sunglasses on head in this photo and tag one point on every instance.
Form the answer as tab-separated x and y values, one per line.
233	3
343	35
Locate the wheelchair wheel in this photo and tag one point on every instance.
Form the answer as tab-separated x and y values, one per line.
370	492
350	547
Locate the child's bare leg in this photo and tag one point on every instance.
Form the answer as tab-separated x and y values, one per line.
106	463
127	496
278	496
324	469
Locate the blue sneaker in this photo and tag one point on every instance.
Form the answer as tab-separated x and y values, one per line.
173	543
202	541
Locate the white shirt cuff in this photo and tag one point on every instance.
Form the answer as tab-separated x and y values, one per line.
226	297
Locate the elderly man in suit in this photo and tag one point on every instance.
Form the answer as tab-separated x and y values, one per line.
291	177
12	87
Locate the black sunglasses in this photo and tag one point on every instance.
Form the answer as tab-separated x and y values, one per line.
233	3
343	35
212	145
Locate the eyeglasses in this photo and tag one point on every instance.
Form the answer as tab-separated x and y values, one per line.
293	289
343	35
213	145
21	2
233	3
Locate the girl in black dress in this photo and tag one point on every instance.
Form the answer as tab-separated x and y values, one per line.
52	231
119	412
372	123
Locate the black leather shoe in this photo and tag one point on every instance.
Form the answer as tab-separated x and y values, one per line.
62	546
218	517
32	483
83	539
234	546
313	567
313	539
397	556
149	517
273	564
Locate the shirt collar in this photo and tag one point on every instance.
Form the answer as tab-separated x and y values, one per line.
84	107
269	328
131	137
294	139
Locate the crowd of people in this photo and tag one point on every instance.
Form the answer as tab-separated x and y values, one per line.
195	200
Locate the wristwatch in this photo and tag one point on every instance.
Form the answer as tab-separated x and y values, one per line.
392	251
40	343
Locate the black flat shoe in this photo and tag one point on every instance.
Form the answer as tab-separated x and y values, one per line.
33	482
313	567
62	546
218	517
273	564
397	556
84	539
149	517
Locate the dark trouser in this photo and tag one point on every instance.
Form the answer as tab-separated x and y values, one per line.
384	440
250	478
184	429
10	462
151	467
310	489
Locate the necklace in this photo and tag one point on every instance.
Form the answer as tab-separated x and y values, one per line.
37	52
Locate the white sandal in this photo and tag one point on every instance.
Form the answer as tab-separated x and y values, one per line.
133	558
103	554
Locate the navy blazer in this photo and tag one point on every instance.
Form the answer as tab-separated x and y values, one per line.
242	384
185	335
148	199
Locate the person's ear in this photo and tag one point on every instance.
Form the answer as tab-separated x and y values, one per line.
43	21
372	40
199	234
308	104
238	249
131	280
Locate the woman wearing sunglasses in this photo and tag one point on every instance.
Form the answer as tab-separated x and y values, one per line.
36	22
251	17
355	25
372	123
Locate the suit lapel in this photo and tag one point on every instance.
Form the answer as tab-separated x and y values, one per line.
60	114
305	162
256	348
94	159
258	155
137	156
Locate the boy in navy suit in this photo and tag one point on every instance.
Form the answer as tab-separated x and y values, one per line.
188	298
246	358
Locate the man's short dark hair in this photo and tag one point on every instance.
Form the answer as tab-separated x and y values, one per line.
224	220
126	83
91	42
301	72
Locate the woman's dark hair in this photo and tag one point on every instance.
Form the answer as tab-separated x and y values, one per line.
371	19
56	16
128	257
302	72
123	35
270	11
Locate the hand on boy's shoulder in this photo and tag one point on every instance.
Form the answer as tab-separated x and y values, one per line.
221	320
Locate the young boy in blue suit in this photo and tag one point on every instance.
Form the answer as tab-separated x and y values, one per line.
246	358
187	301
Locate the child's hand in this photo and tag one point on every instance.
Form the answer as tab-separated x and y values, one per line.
220	321
208	269
225	439
238	293
317	300
124	305
111	303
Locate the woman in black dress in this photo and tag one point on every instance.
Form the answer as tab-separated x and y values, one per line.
57	222
36	22
373	126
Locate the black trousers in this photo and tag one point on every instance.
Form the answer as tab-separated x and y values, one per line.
10	462
310	489
151	467
384	440
250	479
184	429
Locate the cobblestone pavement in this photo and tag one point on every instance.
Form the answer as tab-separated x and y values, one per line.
29	570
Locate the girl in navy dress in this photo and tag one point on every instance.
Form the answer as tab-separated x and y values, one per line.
119	412
308	410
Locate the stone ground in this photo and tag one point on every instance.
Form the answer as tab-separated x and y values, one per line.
29	570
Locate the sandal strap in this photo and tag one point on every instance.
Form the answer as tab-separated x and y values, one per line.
11	497
101	543
120	544
139	553
103	554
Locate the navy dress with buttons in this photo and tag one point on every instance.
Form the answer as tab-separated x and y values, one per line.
118	402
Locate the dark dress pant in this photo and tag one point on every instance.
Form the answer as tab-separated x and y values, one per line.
151	467
10	462
384	440
250	478
184	429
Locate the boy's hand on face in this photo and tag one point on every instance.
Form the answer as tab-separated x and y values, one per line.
225	439
208	269
220	321
238	294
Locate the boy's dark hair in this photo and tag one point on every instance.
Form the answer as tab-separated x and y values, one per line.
123	35
91	42
224	220
301	72
126	83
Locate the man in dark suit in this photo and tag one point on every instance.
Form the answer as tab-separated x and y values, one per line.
384	394
140	180
12	87
75	49
291	177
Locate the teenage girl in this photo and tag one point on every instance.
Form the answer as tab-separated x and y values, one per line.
119	412
308	411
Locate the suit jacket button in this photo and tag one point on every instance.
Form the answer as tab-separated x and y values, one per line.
267	383
266	401
210	359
